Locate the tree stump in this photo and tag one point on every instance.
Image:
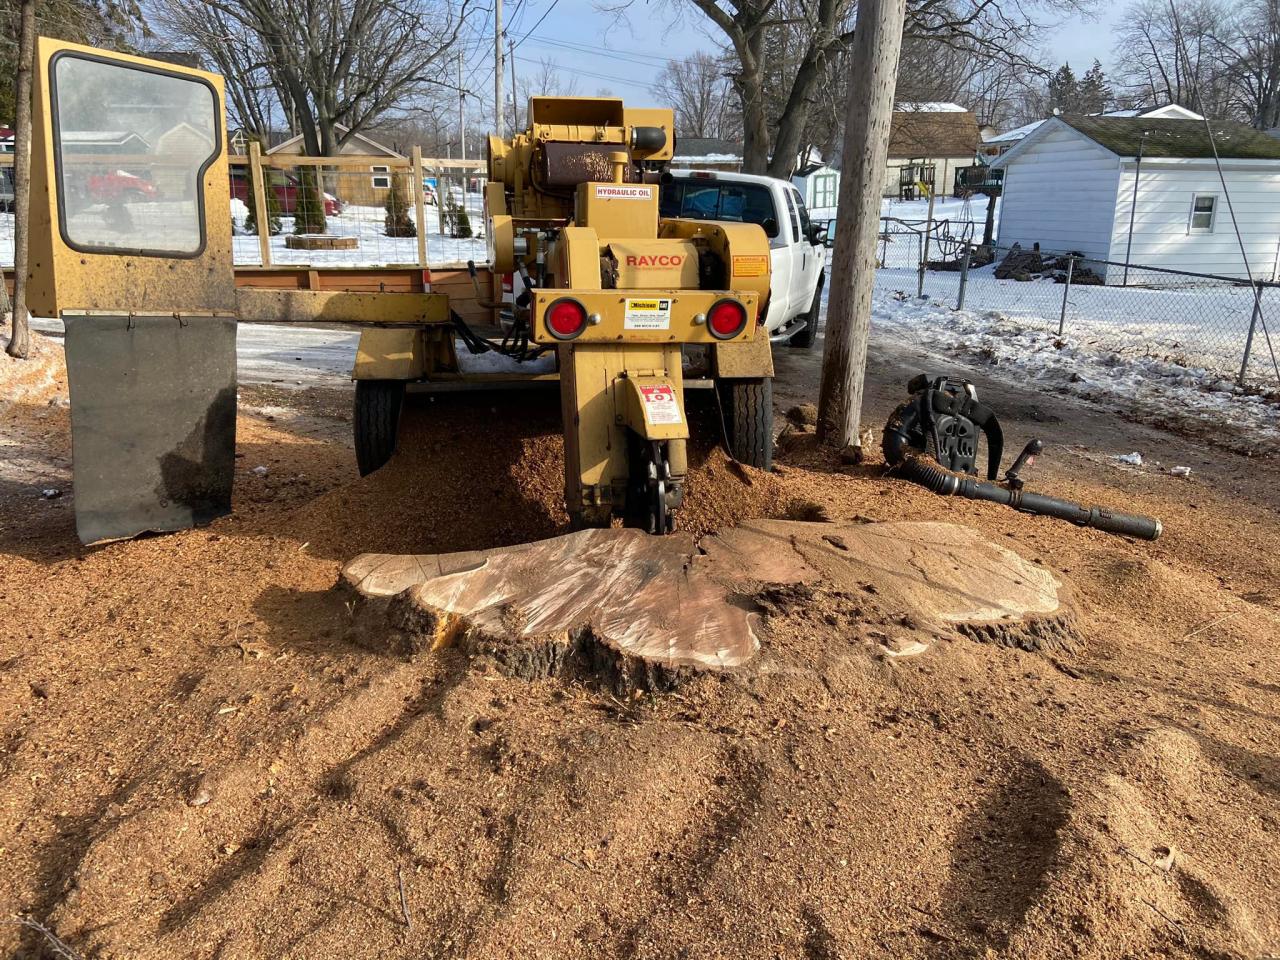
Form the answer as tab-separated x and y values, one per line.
643	612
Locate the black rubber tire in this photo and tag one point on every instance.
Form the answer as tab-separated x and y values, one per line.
748	419
376	422
806	337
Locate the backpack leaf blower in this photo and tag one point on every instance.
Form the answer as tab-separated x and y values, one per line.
933	440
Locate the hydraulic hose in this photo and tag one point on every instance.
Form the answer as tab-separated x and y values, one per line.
912	465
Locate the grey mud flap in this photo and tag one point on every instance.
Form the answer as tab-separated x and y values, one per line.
153	414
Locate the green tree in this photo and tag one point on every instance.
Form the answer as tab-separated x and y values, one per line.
308	209
398	222
273	204
458	220
1094	93
1064	90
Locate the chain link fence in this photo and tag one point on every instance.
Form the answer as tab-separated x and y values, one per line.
1204	322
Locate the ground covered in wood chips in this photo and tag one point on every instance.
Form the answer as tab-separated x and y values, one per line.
195	763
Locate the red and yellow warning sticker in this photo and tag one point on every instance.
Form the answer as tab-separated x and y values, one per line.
750	266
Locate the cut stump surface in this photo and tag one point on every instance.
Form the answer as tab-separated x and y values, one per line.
651	608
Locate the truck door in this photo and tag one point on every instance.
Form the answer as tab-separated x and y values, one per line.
142	279
812	257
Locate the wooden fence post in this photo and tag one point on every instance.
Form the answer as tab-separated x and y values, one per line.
420	207
260	208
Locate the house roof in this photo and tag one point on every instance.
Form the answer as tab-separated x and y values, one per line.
1169	111
687	148
944	133
375	148
1156	138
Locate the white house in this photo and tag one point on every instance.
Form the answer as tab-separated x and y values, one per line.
1144	191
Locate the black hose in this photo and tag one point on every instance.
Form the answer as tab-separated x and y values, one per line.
912	465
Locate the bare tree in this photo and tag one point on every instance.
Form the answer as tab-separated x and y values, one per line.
20	334
786	50
253	89
698	89
342	63
1163	58
1251	61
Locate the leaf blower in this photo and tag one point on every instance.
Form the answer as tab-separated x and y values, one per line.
933	440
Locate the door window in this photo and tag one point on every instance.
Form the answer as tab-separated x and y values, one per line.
131	146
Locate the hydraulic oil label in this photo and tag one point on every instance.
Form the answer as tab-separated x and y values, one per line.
750	266
647	314
608	191
660	405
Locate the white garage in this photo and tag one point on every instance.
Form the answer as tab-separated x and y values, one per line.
1144	190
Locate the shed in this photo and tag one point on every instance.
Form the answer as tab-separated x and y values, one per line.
927	143
1145	191
361	185
706	153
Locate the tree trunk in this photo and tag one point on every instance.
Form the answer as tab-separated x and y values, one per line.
877	44
755	119
20	338
791	127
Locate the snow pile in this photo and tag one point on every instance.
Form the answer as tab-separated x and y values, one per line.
494	362
1149	388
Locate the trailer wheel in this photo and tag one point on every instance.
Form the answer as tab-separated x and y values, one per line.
747	407
376	420
805	338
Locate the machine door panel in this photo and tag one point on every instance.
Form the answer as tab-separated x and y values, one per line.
153	421
131	247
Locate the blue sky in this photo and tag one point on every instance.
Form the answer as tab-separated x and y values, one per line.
601	51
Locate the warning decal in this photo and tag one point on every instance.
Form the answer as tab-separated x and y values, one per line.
750	266
652	314
614	191
660	405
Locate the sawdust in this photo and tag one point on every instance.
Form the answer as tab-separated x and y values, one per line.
196	765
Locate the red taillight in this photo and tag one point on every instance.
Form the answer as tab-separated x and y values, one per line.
566	319
726	319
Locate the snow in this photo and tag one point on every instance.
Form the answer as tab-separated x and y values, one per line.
1016	134
931	106
376	248
1118	365
493	362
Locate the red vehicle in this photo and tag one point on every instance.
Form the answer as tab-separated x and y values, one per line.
120	186
287	190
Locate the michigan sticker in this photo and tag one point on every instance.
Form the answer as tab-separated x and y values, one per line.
750	266
652	314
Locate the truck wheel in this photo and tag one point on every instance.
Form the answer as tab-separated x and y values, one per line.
748	419
805	338
376	420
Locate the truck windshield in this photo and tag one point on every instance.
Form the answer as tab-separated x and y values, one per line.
710	200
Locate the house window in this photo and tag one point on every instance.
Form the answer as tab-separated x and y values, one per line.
1204	207
381	178
824	191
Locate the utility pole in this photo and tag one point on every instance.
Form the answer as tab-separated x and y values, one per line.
497	69
462	112
515	103
873	72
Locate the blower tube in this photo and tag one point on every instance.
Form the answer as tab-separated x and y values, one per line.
911	465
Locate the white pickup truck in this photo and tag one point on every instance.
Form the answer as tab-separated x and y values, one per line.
797	252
